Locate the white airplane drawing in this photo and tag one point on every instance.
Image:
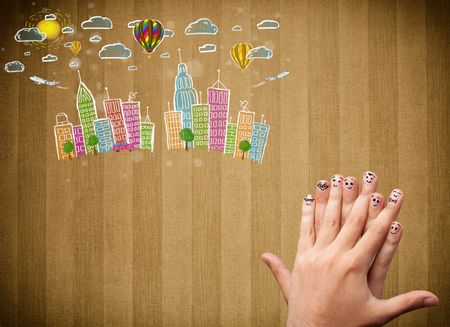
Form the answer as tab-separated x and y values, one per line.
40	81
279	76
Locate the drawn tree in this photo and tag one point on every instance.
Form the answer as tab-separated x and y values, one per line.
68	148
187	135
93	141
244	146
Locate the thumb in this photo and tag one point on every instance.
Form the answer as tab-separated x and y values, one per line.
400	304
279	271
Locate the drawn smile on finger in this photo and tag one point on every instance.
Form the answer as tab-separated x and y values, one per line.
395	227
336	180
375	201
309	199
369	177
349	182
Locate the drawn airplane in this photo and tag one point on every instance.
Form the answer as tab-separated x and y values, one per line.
40	81
279	76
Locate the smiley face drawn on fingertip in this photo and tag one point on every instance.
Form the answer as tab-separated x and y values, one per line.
375	200
337	180
309	199
369	177
394	196
349	182
395	227
323	186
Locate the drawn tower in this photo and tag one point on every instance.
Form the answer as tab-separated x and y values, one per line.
113	111
147	134
87	112
219	103
200	118
244	128
63	133
173	128
105	134
132	116
259	140
185	95
230	140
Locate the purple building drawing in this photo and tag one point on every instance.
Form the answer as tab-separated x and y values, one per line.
218	100
78	136
132	117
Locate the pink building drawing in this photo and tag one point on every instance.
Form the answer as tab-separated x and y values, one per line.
113	111
132	117
219	102
80	148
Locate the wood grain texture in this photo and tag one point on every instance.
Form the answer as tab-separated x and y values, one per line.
174	239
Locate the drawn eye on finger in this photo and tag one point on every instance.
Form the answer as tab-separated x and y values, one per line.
309	199
349	183
395	195
336	180
375	201
395	227
369	177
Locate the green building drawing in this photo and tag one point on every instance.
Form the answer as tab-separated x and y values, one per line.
147	133
230	141
200	116
87	113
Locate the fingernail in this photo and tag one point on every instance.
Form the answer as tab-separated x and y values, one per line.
395	196
375	201
369	177
336	180
395	227
430	302
349	183
323	185
309	199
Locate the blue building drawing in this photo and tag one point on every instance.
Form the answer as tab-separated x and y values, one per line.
104	133
260	134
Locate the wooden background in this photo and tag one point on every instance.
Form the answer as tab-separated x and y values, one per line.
174	239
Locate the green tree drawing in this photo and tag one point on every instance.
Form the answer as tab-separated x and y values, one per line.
93	141
187	136
68	148
244	146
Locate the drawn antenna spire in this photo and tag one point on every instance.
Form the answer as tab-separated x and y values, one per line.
179	55
107	94
200	93
168	106
218	83
79	75
262	118
244	104
147	117
131	96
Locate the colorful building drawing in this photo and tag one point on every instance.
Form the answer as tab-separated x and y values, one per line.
230	140
147	134
244	128
87	112
113	111
218	100
259	140
173	128
200	121
185	95
104	133
132	116
63	133
78	137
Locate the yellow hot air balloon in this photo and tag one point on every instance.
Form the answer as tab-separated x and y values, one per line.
239	54
75	47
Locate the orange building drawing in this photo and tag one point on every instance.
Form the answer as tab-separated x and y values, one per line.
63	133
244	128
173	128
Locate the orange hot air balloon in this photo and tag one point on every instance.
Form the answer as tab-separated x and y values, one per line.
239	54
75	47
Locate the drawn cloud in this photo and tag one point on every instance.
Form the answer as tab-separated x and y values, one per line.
134	22
168	33
114	51
268	25
165	55
260	52
49	58
14	67
67	44
131	68
74	64
201	26
67	30
236	28
95	39
30	35
50	17
207	48
27	53
97	23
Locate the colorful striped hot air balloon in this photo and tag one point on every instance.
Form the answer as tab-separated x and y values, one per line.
239	54
75	47
149	33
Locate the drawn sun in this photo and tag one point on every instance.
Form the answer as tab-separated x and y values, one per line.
51	28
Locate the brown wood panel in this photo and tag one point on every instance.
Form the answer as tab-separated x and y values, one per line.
368	89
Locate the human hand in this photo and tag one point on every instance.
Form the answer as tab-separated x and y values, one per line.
338	275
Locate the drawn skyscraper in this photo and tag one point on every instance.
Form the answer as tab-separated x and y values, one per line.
80	148
113	111
230	140
104	133
132	116
173	128
63	133
244	128
87	112
218	100
185	95
147	134
200	118
259	140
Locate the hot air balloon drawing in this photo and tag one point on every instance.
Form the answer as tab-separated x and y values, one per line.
75	47
149	33
239	54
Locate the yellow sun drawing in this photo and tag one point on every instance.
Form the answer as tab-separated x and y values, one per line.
51	28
